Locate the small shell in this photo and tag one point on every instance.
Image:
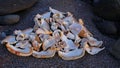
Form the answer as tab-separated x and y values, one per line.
28	31
75	28
44	24
93	50
69	43
58	13
9	39
43	31
20	52
46	15
48	43
94	42
72	55
36	45
70	35
44	54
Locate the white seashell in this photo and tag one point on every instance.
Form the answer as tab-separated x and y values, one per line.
42	31
36	45
77	39
9	39
60	14
75	28
27	51
47	43
94	42
56	35
68	20
70	35
72	55
27	31
22	44
44	36
44	24
54	26
93	50
44	54
46	15
69	43
37	22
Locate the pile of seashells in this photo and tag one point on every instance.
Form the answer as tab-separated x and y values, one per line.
54	32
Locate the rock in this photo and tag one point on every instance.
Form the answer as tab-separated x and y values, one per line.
9	19
11	6
115	49
106	27
107	9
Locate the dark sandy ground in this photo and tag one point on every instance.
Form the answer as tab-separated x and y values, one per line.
80	10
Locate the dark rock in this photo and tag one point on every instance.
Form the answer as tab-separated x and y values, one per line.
11	6
115	49
106	27
9	19
107	9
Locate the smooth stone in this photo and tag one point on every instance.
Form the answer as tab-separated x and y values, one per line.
106	27
107	9
115	49
9	19
12	6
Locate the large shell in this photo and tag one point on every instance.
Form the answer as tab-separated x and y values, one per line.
27	51
44	54
72	55
9	39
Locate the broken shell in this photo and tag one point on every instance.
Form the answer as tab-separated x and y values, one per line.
43	31
70	35
44	54
9	39
27	51
28	31
58	13
69	43
94	42
46	15
93	50
48	43
75	28
72	55
36	45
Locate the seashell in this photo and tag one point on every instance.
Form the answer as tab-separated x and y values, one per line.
77	39
94	42
43	31
44	36
22	44
20	35
70	35
46	15
27	31
26	51
44	54
57	13
9	39
69	43
72	55
75	28
36	20
93	50
56	35
44	24
47	43
54	26
36	45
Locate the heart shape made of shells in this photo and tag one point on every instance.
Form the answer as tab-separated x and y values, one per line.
54	32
